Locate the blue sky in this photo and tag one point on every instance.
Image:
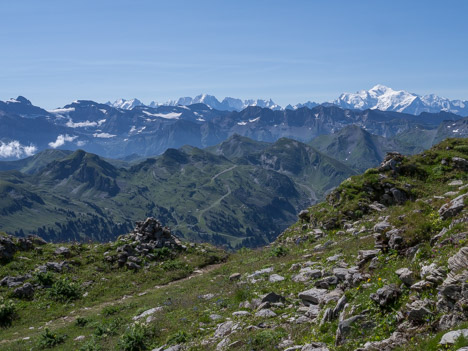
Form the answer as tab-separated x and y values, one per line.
54	52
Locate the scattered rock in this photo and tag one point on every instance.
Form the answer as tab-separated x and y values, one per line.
460	163
433	274
459	261
304	216
24	292
365	256
455	183
274	278
241	313
234	276
312	296
453	208
306	274
451	337
345	327
406	276
386	295
63	251
315	346
382	227
147	313
12	282
273	298
266	313
224	329
418	311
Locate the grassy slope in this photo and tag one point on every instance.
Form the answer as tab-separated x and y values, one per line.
185	314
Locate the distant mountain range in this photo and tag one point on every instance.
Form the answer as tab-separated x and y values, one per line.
379	97
228	104
145	131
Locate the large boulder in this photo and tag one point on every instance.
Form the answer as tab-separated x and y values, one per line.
406	276
454	207
345	327
460	163
459	261
24	292
386	295
313	296
391	162
7	248
273	297
451	337
418	311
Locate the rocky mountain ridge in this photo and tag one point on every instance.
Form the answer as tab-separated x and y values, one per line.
146	131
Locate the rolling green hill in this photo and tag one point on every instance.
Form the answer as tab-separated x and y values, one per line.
243	198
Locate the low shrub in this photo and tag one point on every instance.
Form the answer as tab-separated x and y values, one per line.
47	339
135	338
7	312
177	338
44	278
81	322
90	345
279	251
107	328
64	290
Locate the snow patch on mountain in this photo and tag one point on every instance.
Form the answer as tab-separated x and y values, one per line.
84	124
170	115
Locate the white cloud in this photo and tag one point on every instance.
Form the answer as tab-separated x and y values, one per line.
16	149
61	139
80	143
103	135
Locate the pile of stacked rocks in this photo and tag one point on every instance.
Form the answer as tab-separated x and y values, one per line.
148	236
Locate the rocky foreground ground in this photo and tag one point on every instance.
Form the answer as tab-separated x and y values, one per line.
381	265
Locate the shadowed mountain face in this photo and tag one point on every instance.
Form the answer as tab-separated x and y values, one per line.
360	150
242	193
355	147
146	131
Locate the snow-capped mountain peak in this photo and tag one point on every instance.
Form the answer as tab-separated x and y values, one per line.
379	97
125	104
227	104
384	98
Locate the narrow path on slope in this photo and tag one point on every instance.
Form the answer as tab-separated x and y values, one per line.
86	311
216	203
222	172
